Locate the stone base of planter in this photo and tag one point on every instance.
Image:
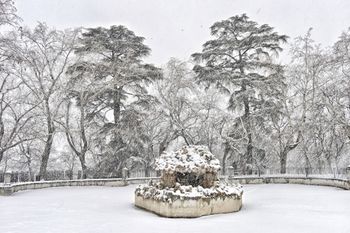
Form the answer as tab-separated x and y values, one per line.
190	208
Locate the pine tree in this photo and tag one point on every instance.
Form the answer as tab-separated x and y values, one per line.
114	58
239	61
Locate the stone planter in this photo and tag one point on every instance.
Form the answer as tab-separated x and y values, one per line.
189	186
190	208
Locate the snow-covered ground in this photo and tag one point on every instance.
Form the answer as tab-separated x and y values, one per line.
267	208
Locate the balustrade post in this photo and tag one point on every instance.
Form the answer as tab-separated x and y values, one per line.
7	178
125	175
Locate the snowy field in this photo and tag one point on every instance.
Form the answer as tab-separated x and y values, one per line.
266	209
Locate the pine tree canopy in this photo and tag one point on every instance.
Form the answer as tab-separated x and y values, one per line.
114	44
239	60
117	67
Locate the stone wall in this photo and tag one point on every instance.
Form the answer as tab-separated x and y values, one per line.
8	189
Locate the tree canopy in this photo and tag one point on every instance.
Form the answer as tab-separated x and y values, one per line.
239	62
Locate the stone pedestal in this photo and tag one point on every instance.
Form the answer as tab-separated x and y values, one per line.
230	171
125	172
7	178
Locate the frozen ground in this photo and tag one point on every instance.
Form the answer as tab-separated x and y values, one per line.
267	209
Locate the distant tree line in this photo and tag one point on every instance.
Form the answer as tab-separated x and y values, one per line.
85	99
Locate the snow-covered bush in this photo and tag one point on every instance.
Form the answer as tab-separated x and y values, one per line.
189	159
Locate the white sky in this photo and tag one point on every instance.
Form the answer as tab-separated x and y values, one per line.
179	28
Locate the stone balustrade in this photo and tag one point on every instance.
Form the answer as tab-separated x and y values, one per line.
333	182
8	188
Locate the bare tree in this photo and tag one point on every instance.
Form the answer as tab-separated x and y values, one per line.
29	152
42	56
8	13
78	125
308	73
285	134
15	113
176	94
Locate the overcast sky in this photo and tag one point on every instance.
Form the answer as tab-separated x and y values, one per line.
179	28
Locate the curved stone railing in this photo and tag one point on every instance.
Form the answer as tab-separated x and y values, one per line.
117	182
112	182
338	183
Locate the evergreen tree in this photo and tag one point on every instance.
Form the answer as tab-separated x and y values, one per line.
114	58
239	61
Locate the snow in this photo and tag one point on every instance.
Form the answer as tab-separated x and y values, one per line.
270	208
155	191
197	159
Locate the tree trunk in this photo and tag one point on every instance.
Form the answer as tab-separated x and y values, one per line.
31	178
84	140
48	143
246	117
283	162
249	157
116	104
83	166
147	171
45	156
185	138
224	158
284	153
249	152
1	155
329	162
163	145
82	153
307	165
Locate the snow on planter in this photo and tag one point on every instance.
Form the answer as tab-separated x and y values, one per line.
197	159
189	186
